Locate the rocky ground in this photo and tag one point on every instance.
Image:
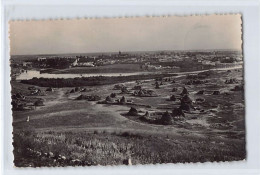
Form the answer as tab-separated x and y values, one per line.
214	122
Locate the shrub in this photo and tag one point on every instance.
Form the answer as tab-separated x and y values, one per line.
166	118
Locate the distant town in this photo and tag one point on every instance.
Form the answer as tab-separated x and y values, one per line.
146	61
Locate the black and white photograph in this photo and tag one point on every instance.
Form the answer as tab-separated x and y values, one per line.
127	91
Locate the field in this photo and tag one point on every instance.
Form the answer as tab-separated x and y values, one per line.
113	68
69	132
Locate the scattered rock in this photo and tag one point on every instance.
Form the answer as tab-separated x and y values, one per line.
122	100
109	99
18	96
226	93
238	88
39	103
166	118
184	91
177	112
31	88
185	107
173	98
216	93
201	92
231	81
200	100
50	89
186	100
157	85
194	117
137	88
77	89
132	112
129	101
118	86
124	90
186	103
89	97
147	114
196	82
113	95
145	93
174	89
83	90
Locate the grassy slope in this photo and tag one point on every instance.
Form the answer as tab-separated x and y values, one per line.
66	127
112	148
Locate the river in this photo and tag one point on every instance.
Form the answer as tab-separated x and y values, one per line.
29	74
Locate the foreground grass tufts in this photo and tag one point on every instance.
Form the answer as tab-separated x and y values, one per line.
84	149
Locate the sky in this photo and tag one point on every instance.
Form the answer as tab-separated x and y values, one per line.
126	34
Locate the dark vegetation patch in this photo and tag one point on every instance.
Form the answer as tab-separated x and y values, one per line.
185	65
88	81
89	97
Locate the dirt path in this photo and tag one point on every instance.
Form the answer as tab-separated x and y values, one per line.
57	99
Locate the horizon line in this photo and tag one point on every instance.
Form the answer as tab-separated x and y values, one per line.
192	50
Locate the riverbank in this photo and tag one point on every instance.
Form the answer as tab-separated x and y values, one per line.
70	80
90	81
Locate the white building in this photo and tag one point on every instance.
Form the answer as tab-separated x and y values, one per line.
41	58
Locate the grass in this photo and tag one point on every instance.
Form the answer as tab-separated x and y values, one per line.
112	148
89	134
